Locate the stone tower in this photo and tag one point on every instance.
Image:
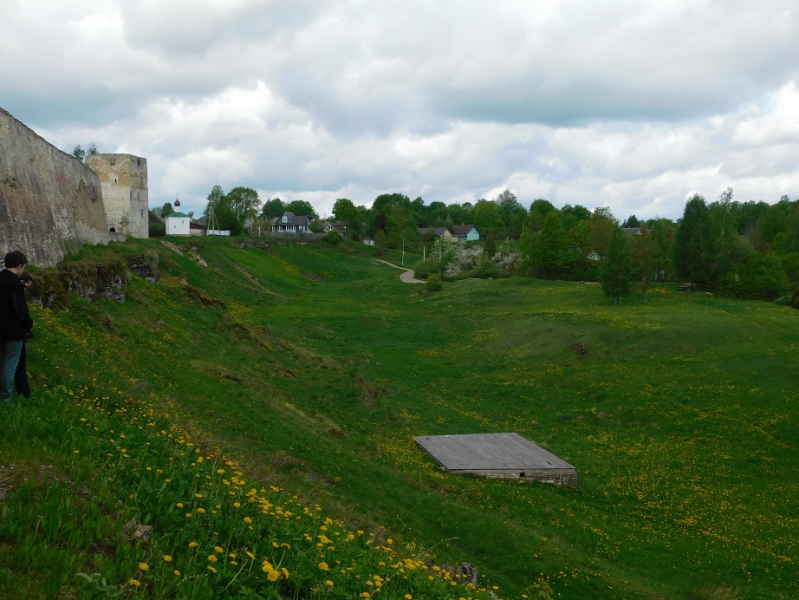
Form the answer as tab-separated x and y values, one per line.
123	178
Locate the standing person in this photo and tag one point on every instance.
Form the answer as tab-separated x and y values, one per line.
15	321
21	375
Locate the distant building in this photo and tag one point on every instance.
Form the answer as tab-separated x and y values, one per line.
291	223
442	232
465	233
178	223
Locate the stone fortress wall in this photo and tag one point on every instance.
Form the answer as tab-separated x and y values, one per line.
50	202
123	179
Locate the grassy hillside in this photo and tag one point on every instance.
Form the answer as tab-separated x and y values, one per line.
310	369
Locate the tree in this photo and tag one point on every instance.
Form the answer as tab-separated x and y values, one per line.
301	208
345	211
617	269
631	221
548	251
225	217
577	264
243	201
603	224
81	154
490	246
488	218
166	209
692	241
272	209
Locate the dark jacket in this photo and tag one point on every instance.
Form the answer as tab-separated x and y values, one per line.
15	321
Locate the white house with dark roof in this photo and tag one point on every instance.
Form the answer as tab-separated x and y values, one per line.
291	223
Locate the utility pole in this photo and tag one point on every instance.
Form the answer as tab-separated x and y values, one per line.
403	252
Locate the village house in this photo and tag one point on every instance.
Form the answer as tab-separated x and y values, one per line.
291	223
465	233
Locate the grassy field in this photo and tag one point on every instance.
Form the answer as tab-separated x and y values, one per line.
314	367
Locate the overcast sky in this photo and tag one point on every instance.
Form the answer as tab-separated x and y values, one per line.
628	104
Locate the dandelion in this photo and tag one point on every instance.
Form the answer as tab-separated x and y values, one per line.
167	558
218	549
144	566
408	597
323	566
176	572
193	544
329	583
135	582
210	568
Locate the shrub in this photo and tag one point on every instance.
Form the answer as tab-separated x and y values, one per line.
795	299
434	284
425	268
332	237
759	278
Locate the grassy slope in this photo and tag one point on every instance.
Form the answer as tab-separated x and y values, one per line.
681	418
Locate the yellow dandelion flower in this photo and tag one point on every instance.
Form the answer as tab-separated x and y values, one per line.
193	544
201	510
144	566
323	566
212	558
329	583
273	575
179	505
135	582
408	597
176	572
285	572
210	568
167	558
218	549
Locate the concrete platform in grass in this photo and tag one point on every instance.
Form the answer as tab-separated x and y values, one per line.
505	455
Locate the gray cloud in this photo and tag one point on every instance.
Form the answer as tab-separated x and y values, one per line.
622	103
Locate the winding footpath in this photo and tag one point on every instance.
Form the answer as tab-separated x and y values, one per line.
407	274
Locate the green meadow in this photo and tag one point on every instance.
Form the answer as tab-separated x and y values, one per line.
304	371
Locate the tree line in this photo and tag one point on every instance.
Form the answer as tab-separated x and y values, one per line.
746	249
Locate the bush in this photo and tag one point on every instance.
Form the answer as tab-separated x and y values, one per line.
332	237
425	268
157	231
795	299
434	283
759	278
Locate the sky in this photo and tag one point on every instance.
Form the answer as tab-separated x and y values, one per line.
627	104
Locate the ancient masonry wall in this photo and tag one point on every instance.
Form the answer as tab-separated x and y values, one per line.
50	202
123	178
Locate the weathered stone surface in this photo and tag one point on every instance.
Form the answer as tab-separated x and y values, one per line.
123	179
50	202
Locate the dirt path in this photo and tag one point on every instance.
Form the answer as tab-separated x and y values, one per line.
406	276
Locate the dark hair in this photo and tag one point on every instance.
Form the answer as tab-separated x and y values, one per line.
15	259
25	277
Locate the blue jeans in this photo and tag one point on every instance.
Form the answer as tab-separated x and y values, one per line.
12	348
